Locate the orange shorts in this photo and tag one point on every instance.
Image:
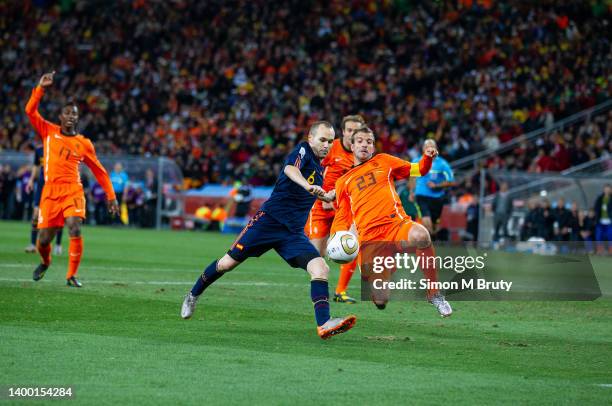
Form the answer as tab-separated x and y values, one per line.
318	227
59	201
383	242
392	232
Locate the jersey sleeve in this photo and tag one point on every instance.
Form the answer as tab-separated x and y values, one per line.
91	160
298	157
40	124
343	218
448	173
403	169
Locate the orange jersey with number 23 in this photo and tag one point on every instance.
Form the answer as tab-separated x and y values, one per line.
366	195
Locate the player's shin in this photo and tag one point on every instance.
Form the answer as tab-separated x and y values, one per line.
45	253
428	266
34	232
346	273
210	275
319	293
75	251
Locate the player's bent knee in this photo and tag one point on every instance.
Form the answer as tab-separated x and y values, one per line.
74	230
318	269
74	226
226	263
45	236
419	236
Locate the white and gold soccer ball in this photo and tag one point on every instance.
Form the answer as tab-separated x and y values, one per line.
342	247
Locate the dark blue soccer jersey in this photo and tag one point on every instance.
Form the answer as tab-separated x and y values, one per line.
290	203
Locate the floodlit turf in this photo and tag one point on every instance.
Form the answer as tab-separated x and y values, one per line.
120	340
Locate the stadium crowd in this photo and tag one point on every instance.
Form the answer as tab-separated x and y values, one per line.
226	88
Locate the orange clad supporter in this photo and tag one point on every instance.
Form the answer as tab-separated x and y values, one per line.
62	198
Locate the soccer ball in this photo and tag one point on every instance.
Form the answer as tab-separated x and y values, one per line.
342	247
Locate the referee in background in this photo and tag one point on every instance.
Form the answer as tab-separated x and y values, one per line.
430	190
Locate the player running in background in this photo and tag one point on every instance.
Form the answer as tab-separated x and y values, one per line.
366	195
36	184
336	163
62	197
430	190
279	225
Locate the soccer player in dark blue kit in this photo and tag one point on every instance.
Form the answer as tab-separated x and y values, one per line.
279	225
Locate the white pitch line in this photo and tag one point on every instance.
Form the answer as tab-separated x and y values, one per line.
261	270
604	385
103	268
108	282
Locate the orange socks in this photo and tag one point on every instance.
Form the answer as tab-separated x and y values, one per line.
428	267
45	253
346	273
75	250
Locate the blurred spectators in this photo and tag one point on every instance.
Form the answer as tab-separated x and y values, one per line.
135	202
151	189
564	221
502	209
243	197
226	88
7	192
588	223
98	197
603	219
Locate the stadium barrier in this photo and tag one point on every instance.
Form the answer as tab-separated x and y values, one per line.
580	185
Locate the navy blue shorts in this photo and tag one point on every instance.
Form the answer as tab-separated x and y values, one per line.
264	233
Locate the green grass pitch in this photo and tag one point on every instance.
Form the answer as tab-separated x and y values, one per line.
120	340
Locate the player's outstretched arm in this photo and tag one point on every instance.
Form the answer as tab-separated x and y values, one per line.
91	160
343	219
38	122
404	169
295	175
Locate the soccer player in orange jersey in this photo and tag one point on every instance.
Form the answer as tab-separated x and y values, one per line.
337	162
63	200
366	195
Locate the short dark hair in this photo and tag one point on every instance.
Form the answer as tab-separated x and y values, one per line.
315	126
70	103
356	118
365	129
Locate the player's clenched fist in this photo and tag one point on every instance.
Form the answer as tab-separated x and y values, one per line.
316	190
46	79
431	150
